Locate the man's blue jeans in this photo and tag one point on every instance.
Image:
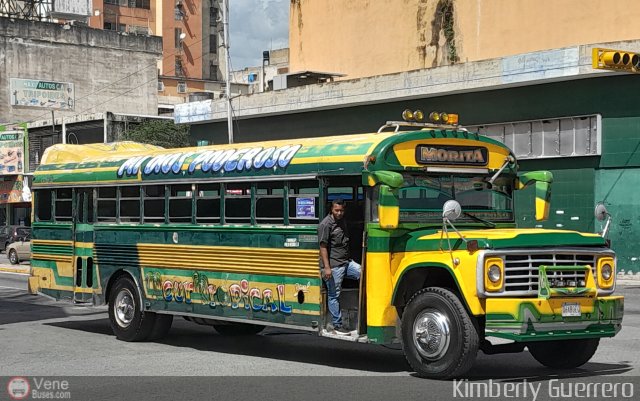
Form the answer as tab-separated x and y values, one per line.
351	270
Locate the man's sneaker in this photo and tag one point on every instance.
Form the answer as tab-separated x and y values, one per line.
342	331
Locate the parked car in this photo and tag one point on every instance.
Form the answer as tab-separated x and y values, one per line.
19	250
9	234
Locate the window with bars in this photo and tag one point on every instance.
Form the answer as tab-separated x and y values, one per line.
553	137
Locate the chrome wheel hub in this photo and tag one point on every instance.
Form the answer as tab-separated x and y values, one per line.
124	308
431	334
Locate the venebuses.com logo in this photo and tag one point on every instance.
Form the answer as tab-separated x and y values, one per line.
20	388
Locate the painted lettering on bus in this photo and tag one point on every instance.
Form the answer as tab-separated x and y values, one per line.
224	160
239	295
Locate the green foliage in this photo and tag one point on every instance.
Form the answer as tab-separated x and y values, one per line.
446	10
161	133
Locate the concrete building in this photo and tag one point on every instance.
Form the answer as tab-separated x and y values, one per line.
260	78
193	54
65	71
79	70
362	38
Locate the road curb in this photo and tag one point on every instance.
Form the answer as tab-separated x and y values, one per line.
26	269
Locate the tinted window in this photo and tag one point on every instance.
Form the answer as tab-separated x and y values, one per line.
269	203
154	203
106	204
208	203
43	205
63	204
180	204
130	204
237	203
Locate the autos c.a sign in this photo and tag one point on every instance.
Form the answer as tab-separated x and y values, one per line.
41	94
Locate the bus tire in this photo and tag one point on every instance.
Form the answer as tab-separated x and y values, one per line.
449	348
128	321
161	326
564	354
238	329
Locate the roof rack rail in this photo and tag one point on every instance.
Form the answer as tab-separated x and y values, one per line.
398	124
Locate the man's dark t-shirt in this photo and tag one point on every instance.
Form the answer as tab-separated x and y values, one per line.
336	236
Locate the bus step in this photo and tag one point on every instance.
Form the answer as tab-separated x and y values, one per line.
354	337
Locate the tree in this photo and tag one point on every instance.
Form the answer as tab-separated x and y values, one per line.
161	133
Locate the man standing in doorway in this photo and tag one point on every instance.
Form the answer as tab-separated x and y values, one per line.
335	263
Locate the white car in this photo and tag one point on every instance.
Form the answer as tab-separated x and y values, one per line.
19	251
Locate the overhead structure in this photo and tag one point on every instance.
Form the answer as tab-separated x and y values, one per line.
33	10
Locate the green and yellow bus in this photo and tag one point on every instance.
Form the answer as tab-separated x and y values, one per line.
227	236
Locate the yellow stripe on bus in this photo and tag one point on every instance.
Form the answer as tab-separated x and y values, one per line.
290	262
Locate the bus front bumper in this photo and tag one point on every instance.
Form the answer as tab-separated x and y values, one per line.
539	319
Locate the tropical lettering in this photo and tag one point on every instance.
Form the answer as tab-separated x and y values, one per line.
238	295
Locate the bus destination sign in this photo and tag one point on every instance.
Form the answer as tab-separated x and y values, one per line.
458	155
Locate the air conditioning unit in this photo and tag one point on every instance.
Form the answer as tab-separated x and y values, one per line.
182	87
160	86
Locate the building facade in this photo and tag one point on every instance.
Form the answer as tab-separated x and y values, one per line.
363	38
56	73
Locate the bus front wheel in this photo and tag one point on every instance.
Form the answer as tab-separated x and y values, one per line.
128	321
564	354
438	337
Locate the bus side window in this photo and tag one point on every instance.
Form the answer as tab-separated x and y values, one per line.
270	203
180	203
207	203
63	204
154	203
130	204
43	204
237	203
304	202
107	204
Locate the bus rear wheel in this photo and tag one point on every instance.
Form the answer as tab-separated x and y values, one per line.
438	337
238	329
128	321
564	354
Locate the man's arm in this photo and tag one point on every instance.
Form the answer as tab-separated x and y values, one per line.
324	254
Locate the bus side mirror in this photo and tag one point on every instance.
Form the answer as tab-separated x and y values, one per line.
388	208
543	180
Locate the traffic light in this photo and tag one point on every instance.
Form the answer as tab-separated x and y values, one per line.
620	60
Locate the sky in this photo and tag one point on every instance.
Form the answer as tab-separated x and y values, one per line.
254	26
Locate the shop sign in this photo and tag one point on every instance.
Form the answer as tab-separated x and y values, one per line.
41	94
11	153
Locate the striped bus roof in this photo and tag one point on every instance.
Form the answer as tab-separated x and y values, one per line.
65	164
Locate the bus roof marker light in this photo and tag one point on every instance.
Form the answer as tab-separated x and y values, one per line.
434	116
418	115
407	115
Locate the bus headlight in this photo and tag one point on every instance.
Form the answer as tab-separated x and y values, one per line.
606	272
493	274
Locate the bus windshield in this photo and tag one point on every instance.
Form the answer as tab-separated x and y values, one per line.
422	197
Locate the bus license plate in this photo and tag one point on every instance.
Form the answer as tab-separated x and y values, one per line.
570	309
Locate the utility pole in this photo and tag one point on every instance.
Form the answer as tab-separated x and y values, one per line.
225	27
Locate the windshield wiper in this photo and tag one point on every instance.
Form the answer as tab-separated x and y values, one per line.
479	220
